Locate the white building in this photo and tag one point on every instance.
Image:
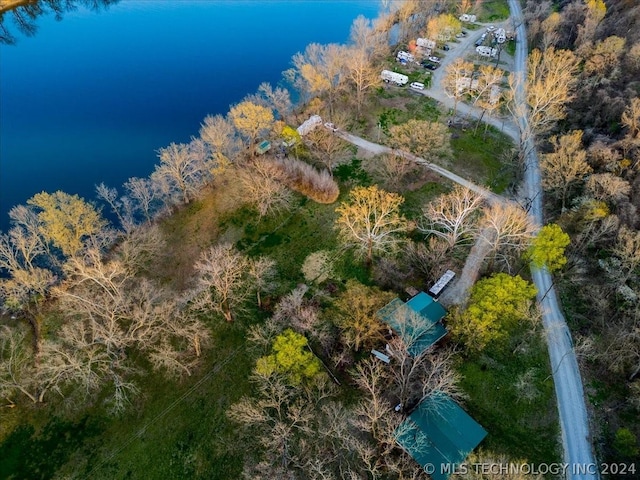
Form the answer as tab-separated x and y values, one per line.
310	124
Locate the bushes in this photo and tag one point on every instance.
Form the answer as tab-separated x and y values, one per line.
303	178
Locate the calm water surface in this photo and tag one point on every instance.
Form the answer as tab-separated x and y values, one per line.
90	98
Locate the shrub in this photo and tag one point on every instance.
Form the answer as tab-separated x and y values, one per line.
303	178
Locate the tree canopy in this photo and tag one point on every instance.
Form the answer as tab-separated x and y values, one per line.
290	358
547	249
496	305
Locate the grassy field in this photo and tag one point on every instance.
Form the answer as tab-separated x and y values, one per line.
511	395
493	11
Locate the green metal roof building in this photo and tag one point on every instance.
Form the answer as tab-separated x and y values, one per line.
417	322
439	435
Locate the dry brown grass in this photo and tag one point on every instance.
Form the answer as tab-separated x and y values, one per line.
319	186
192	229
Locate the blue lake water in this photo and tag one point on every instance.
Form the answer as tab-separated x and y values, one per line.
90	98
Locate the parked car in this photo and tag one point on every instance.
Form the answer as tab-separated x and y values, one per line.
430	66
417	85
445	47
434	59
490	28
331	126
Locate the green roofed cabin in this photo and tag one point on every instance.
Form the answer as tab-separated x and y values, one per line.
439	435
417	322
263	147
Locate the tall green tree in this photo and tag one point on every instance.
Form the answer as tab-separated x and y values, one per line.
496	305
547	248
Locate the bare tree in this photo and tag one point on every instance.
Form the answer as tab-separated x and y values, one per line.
180	172
415	377
144	194
566	166
319	70
222	281
508	230
392	169
263	186
370	221
451	216
427	140
366	38
263	272
278	99
551	78
457	80
363	74
327	147
608	187
220	134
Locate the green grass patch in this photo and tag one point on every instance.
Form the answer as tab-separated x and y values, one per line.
182	430
480	157
510	47
512	396
493	11
416	199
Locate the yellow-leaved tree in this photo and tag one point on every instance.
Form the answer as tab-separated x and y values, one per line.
66	220
251	120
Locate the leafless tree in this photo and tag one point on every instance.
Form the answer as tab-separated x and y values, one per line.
457	80
368	39
144	194
508	230
452	216
362	74
221	136
370	221
392	169
222	281
262	271
608	187
550	83
263	186
180	172
327	147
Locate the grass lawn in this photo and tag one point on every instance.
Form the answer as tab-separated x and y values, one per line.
174	430
479	157
493	11
521	419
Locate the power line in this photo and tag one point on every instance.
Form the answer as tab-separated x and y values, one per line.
140	432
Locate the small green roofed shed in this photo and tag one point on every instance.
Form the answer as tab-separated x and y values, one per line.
439	435
417	322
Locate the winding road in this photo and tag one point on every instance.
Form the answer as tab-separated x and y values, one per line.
579	461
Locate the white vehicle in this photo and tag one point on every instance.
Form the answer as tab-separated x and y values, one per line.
426	43
331	126
417	85
406	56
490	28
486	51
434	59
397	78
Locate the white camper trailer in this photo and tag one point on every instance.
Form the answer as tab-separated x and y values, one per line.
405	56
486	51
310	124
426	43
397	78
